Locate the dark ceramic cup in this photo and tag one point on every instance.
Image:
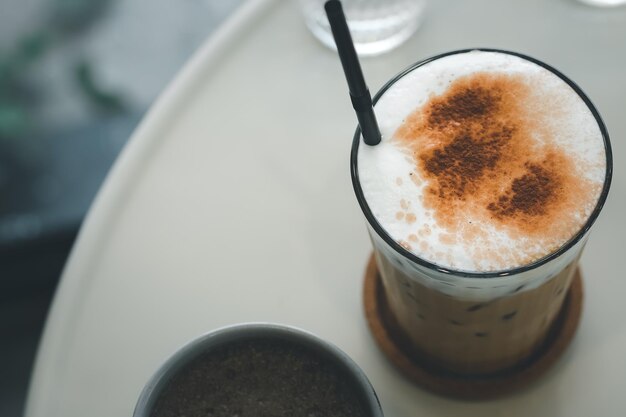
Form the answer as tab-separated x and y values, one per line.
224	337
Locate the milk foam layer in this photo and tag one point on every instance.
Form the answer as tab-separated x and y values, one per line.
488	162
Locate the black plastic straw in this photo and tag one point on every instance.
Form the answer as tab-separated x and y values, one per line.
359	94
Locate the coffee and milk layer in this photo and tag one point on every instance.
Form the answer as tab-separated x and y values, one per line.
488	162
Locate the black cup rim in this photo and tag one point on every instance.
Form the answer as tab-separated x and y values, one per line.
492	274
250	331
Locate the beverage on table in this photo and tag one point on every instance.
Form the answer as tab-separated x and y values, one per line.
491	170
257	370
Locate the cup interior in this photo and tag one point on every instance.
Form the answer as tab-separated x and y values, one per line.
224	337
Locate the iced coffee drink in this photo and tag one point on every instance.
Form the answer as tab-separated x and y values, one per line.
480	197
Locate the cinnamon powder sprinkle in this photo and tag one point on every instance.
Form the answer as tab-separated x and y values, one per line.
529	193
475	146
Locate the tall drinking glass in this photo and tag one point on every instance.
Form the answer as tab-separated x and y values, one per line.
376	26
470	316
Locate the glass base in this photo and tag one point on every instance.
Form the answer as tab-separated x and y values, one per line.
376	26
366	47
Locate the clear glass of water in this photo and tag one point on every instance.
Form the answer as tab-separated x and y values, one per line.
377	26
603	3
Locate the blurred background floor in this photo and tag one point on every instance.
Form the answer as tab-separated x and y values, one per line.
76	76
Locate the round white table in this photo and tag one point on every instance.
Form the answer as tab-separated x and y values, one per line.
232	203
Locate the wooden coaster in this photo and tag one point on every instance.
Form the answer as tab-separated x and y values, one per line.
398	350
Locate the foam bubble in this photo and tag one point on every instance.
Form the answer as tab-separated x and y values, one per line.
488	162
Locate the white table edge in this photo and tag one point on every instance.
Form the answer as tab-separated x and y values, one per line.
65	304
